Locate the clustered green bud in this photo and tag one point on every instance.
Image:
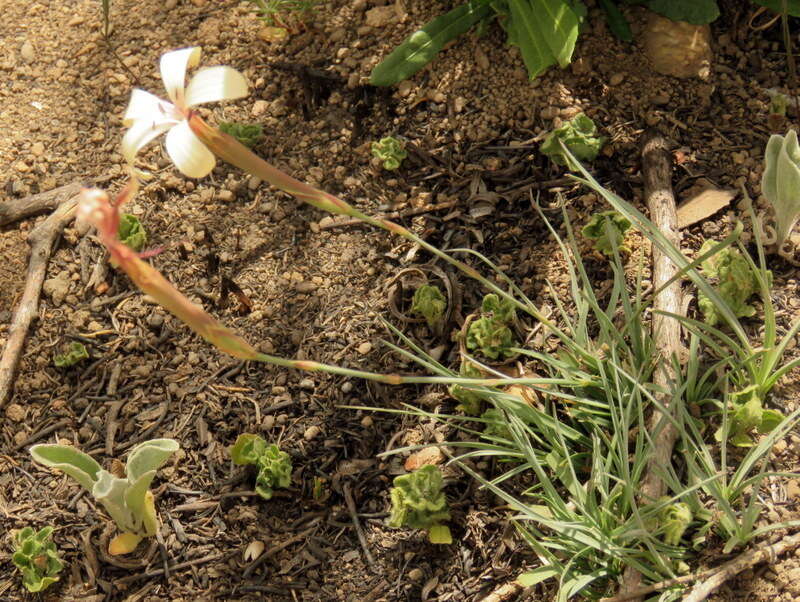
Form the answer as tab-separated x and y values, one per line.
579	135
248	134
418	502
36	556
131	232
76	353
607	229
430	303
389	150
274	466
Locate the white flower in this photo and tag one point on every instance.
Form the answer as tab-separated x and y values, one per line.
148	116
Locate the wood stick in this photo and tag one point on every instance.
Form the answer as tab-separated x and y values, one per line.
12	211
41	240
657	175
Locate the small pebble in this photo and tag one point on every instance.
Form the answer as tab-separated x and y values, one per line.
307	384
15	412
616	79
367	421
347	387
268	422
311	432
27	52
416	574
365	348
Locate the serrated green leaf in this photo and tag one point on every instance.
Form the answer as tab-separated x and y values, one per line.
422	45
131	232
76	353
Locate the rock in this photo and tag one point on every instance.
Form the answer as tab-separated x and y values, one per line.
170	4
57	287
678	48
367	421
259	108
253	182
37	149
27	52
416	574
365	348
380	16
307	384
15	412
428	455
793	489
616	79
311	432
305	287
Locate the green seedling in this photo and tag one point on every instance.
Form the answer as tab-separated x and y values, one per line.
469	399
389	150
778	104
274	466
128	500
579	135
418	502
289	15
674	519
736	283
490	334
77	352
132	232
746	414
36	556
248	134
430	303
607	229
499	309
491	337
496	425
781	183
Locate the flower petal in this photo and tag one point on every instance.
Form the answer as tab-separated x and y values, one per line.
215	83
148	107
189	155
173	71
140	134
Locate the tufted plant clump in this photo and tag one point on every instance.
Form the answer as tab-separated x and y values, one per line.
418	502
127	499
274	466
430	303
35	555
391	151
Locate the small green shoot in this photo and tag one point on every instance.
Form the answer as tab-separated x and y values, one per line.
736	283
778	104
77	352
674	519
274	466
391	151
470	400
418	502
248	134
430	303
490	334
36	556
132	232
607	229
747	414
128	500
288	15
579	135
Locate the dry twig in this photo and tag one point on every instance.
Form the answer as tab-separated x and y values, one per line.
657	175
12	211
41	240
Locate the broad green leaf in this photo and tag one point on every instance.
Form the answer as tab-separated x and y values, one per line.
523	32
420	48
792	6
110	491
76	353
80	466
787	181
440	534
136	494
149	456
697	12
247	449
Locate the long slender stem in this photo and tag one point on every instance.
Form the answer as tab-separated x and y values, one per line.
229	149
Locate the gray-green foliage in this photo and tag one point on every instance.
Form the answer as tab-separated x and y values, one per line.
430	303
131	232
127	499
607	229
418	501
391	151
780	182
274	466
735	282
579	135
77	352
35	555
248	134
